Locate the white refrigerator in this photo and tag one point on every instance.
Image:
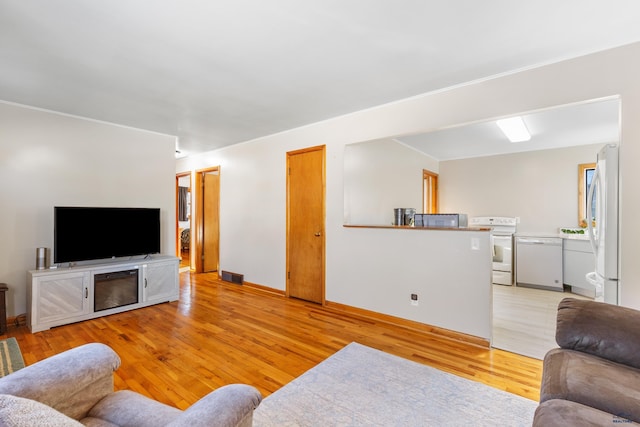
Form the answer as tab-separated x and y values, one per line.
602	207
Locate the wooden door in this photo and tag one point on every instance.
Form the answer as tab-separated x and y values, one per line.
305	224
211	238
207	237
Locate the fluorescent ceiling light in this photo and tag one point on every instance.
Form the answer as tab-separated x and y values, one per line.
514	129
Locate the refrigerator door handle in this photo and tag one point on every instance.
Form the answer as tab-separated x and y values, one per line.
592	235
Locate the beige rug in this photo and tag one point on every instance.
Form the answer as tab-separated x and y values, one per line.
362	386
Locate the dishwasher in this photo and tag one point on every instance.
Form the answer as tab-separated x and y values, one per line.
539	262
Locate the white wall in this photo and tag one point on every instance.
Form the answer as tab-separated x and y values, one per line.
382	268
540	187
380	176
49	159
253	182
376	270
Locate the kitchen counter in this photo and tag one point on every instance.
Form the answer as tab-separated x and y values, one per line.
410	227
541	235
566	236
574	236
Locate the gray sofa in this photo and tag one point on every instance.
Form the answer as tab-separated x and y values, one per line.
76	388
593	379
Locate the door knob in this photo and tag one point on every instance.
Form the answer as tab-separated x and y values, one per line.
318	234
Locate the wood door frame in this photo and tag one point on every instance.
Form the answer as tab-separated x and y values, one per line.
583	190
198	222
324	215
178	237
429	187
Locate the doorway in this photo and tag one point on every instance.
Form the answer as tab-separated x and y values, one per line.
206	245
183	220
429	192
305	224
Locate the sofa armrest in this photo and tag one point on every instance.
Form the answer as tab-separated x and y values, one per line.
604	330
71	382
227	406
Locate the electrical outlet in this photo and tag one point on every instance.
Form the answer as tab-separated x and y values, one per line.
414	299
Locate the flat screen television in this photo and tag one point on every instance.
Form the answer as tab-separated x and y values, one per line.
93	233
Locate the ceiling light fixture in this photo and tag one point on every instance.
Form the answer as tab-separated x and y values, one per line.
514	129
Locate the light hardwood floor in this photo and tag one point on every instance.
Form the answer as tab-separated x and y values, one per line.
221	333
524	319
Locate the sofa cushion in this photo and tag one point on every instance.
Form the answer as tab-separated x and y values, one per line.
96	422
591	381
128	408
71	382
20	412
604	330
563	413
230	405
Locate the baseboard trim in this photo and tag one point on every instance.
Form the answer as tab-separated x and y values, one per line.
11	321
19	320
409	324
263	288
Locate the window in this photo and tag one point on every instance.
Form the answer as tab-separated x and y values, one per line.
585	175
429	192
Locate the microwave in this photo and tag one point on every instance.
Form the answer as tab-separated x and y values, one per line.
440	220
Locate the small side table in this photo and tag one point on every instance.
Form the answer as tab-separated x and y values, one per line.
3	308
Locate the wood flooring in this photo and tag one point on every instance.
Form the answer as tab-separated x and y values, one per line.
524	319
185	261
221	333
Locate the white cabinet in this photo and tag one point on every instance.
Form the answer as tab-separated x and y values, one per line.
578	260
159	281
66	295
59	297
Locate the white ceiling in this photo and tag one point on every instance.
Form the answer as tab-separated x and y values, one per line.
219	72
595	122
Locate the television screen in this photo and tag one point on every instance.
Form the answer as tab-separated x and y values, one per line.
90	233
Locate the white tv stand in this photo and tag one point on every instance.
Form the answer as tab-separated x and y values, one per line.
60	296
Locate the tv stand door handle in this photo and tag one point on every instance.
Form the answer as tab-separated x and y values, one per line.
86	293
145	282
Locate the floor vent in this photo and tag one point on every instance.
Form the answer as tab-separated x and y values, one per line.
227	276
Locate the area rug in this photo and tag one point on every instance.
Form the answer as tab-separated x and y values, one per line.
10	357
361	386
